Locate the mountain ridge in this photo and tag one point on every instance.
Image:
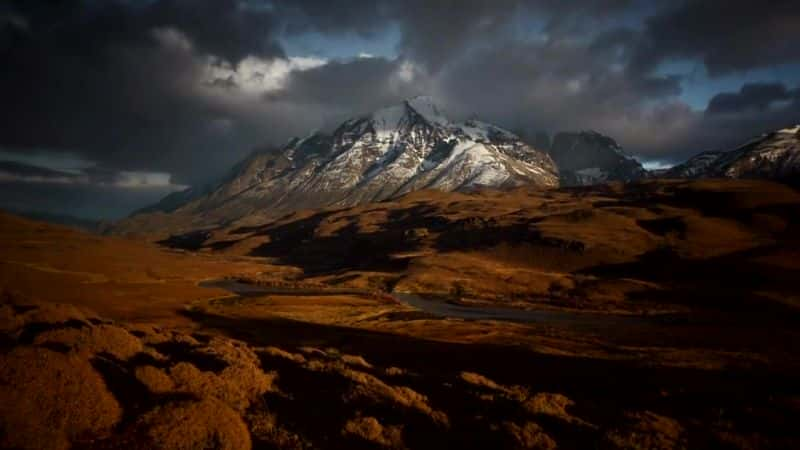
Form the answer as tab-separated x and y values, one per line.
773	155
394	150
413	146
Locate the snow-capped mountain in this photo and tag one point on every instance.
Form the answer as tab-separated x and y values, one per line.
774	155
392	151
587	157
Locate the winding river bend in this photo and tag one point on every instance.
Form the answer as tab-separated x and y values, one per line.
439	308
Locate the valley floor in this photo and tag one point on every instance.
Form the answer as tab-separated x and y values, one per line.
491	320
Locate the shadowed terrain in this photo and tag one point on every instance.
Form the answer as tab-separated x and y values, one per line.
288	384
624	248
664	315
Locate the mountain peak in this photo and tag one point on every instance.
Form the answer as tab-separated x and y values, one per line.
790	130
423	106
428	108
392	151
588	157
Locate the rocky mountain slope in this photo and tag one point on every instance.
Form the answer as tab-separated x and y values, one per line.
694	167
587	158
774	155
392	151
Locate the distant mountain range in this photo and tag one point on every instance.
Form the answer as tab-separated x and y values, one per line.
13	170
61	219
774	155
413	146
587	158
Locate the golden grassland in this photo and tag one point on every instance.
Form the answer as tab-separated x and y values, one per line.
680	330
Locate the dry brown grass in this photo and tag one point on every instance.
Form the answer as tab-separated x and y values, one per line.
235	386
368	387
395	371
236	378
102	338
280	353
370	429
354	371
119	278
648	430
187	425
265	429
480	380
529	436
49	399
154	379
61	389
65	381
542	403
13	319
356	361
553	405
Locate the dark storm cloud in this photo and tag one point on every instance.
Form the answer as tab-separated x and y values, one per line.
559	84
225	28
364	17
729	120
188	87
432	32
115	80
527	65
754	109
436	32
355	86
76	200
221	27
17	171
726	35
93	176
756	97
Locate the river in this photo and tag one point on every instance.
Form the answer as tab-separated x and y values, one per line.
438	307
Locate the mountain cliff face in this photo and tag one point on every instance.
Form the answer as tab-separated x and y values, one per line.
774	155
587	157
695	167
392	151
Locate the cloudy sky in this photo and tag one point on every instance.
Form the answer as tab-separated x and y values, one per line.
109	104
